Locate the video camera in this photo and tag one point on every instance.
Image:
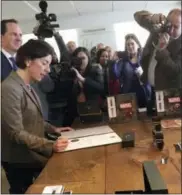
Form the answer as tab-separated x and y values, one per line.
166	27
163	27
45	29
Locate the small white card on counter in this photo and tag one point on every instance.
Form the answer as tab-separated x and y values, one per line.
59	189
111	107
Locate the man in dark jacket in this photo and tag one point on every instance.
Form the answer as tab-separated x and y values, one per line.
11	40
161	60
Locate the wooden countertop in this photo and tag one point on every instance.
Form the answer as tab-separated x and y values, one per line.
107	169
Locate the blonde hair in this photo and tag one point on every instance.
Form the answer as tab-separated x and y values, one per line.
71	42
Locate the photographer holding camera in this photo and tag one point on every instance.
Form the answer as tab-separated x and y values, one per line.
161	60
88	84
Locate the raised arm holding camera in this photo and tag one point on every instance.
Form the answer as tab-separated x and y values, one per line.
161	60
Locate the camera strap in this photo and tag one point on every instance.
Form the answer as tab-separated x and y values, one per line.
151	68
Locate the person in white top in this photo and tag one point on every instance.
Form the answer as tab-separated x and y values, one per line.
11	40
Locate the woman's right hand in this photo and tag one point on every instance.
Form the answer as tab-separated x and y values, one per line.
78	75
60	144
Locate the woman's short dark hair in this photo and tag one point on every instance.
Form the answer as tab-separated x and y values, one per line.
81	49
84	50
99	53
4	25
33	49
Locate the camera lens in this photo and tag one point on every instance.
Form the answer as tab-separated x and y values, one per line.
52	18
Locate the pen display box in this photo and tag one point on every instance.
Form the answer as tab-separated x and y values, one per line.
90	112
122	108
168	103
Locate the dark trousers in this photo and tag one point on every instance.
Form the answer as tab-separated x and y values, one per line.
20	178
151	104
71	113
69	117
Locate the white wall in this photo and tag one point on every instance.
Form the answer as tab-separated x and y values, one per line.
122	29
67	35
90	39
113	35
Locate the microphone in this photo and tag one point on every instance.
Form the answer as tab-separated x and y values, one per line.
43	6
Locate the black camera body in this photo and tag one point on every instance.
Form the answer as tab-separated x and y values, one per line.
45	29
75	62
166	27
64	70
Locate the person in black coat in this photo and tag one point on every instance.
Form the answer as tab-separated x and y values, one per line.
102	59
88	84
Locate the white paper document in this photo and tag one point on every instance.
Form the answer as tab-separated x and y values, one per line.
92	141
88	131
53	189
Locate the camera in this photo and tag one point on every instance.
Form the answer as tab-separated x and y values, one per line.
45	29
65	68
163	27
166	27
